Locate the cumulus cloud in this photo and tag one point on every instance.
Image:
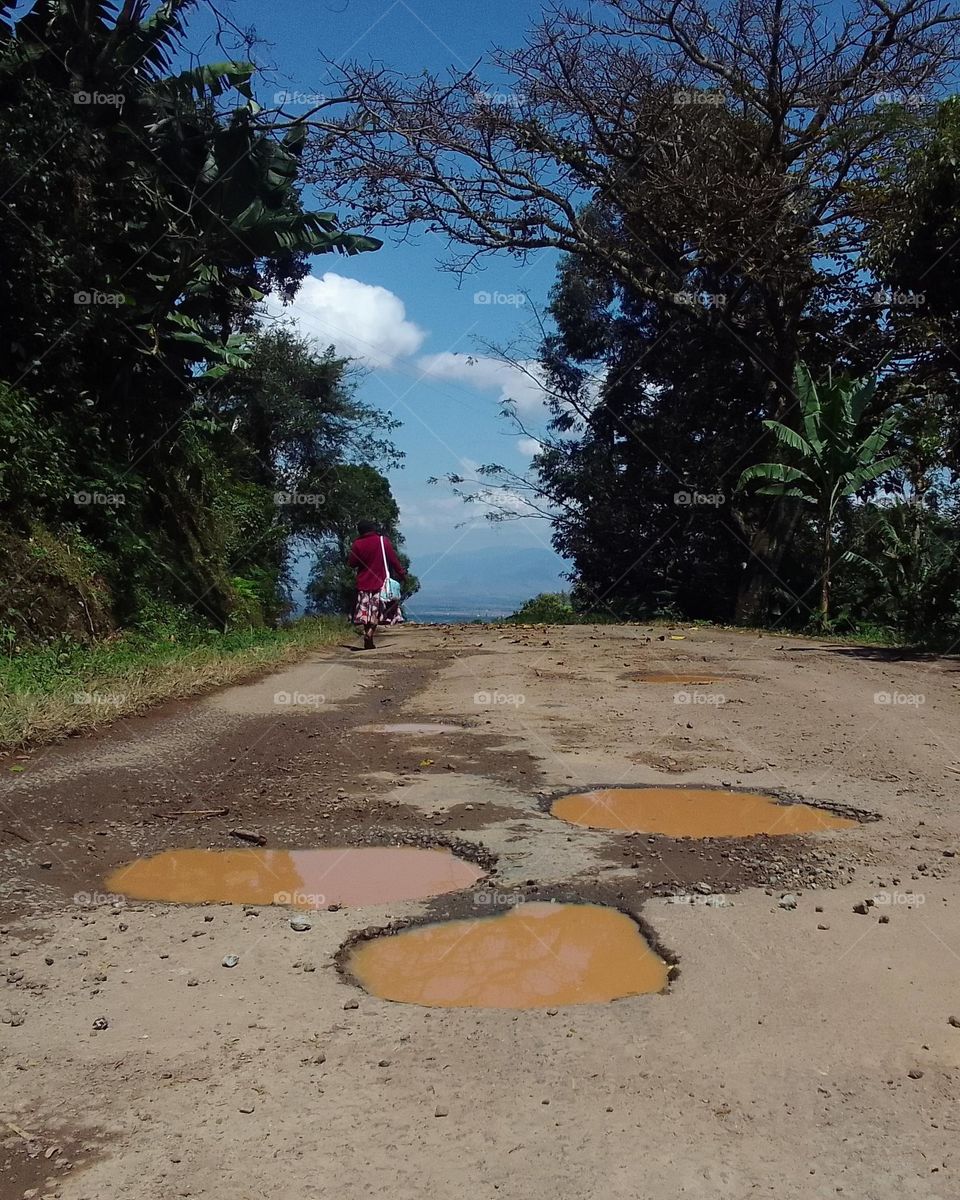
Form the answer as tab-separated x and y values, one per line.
522	384
528	446
361	320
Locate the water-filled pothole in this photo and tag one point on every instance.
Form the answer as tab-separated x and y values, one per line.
413	727
301	878
693	812
678	679
535	955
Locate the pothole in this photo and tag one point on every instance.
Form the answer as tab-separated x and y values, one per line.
535	955
694	812
346	875
413	727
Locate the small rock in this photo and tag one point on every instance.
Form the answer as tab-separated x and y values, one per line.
230	960
351	1004
884	920
46	866
860	908
300	924
788	901
246	1108
703	888
954	1021
440	1111
823	926
384	1062
247	835
101	1023
193	981
915	1074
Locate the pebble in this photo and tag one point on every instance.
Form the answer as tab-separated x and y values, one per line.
860	908
299	925
101	1023
788	901
915	1074
954	1021
384	1062
823	926
192	981
440	1111
351	1004
230	960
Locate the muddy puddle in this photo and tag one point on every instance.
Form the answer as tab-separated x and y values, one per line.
693	812
413	727
300	878
535	955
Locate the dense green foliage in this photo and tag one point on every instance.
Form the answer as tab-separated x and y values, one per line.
146	420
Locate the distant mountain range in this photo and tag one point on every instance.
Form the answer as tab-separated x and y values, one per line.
488	581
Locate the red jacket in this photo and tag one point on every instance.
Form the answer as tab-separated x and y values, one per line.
367	557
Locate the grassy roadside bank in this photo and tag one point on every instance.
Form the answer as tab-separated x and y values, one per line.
51	692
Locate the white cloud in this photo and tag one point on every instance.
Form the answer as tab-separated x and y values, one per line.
523	383
528	446
361	320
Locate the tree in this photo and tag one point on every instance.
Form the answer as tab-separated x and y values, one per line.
153	211
833	460
693	149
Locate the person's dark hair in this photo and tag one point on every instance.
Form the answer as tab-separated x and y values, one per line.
365	527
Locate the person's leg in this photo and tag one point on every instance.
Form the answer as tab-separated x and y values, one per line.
370	628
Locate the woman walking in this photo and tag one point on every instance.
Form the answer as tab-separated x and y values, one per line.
375	561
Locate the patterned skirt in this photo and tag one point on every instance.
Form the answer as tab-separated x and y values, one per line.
372	610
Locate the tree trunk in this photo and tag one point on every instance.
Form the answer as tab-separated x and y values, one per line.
768	546
825	577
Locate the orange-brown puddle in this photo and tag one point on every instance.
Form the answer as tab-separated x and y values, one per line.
692	812
301	878
675	678
532	956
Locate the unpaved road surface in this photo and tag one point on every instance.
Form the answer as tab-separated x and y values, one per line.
800	1053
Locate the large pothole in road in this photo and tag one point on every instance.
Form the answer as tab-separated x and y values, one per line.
694	812
535	955
348	875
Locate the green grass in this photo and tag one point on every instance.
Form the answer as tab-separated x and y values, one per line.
64	688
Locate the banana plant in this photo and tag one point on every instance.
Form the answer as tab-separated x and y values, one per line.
835	457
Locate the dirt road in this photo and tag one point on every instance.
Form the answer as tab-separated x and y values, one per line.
801	1052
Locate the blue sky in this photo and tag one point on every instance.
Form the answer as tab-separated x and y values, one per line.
416	330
